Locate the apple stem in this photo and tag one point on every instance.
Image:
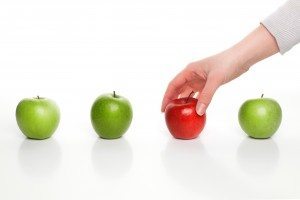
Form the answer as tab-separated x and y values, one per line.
38	97
262	96
114	94
189	96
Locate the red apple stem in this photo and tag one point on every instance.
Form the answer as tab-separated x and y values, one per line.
262	96
189	96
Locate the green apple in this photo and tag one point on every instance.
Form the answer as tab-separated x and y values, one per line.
37	117
260	118
111	115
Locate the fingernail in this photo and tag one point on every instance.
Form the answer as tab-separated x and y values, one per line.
162	109
200	109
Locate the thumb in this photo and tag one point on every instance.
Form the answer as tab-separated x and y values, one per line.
206	95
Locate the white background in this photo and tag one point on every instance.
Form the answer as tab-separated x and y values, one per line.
73	51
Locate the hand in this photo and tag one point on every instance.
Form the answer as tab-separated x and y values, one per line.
203	77
207	75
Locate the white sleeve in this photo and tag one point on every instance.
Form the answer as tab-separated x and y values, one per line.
284	25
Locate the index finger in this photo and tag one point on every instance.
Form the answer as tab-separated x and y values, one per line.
173	89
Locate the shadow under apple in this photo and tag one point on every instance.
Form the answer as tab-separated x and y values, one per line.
258	156
188	162
39	158
112	158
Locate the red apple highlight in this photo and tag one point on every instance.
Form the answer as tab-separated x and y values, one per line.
182	120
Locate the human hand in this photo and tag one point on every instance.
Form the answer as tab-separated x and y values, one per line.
204	77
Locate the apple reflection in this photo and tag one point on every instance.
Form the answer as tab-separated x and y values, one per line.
188	163
39	158
258	156
112	158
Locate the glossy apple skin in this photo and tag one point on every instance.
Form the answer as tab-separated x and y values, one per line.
111	116
260	118
182	120
37	118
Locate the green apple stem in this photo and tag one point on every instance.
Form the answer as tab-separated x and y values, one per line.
114	94
189	96
262	96
38	97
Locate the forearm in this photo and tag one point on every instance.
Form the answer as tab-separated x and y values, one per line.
257	46
278	33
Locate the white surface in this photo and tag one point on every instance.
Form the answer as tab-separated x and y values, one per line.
73	51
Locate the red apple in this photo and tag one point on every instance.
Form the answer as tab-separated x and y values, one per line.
182	120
